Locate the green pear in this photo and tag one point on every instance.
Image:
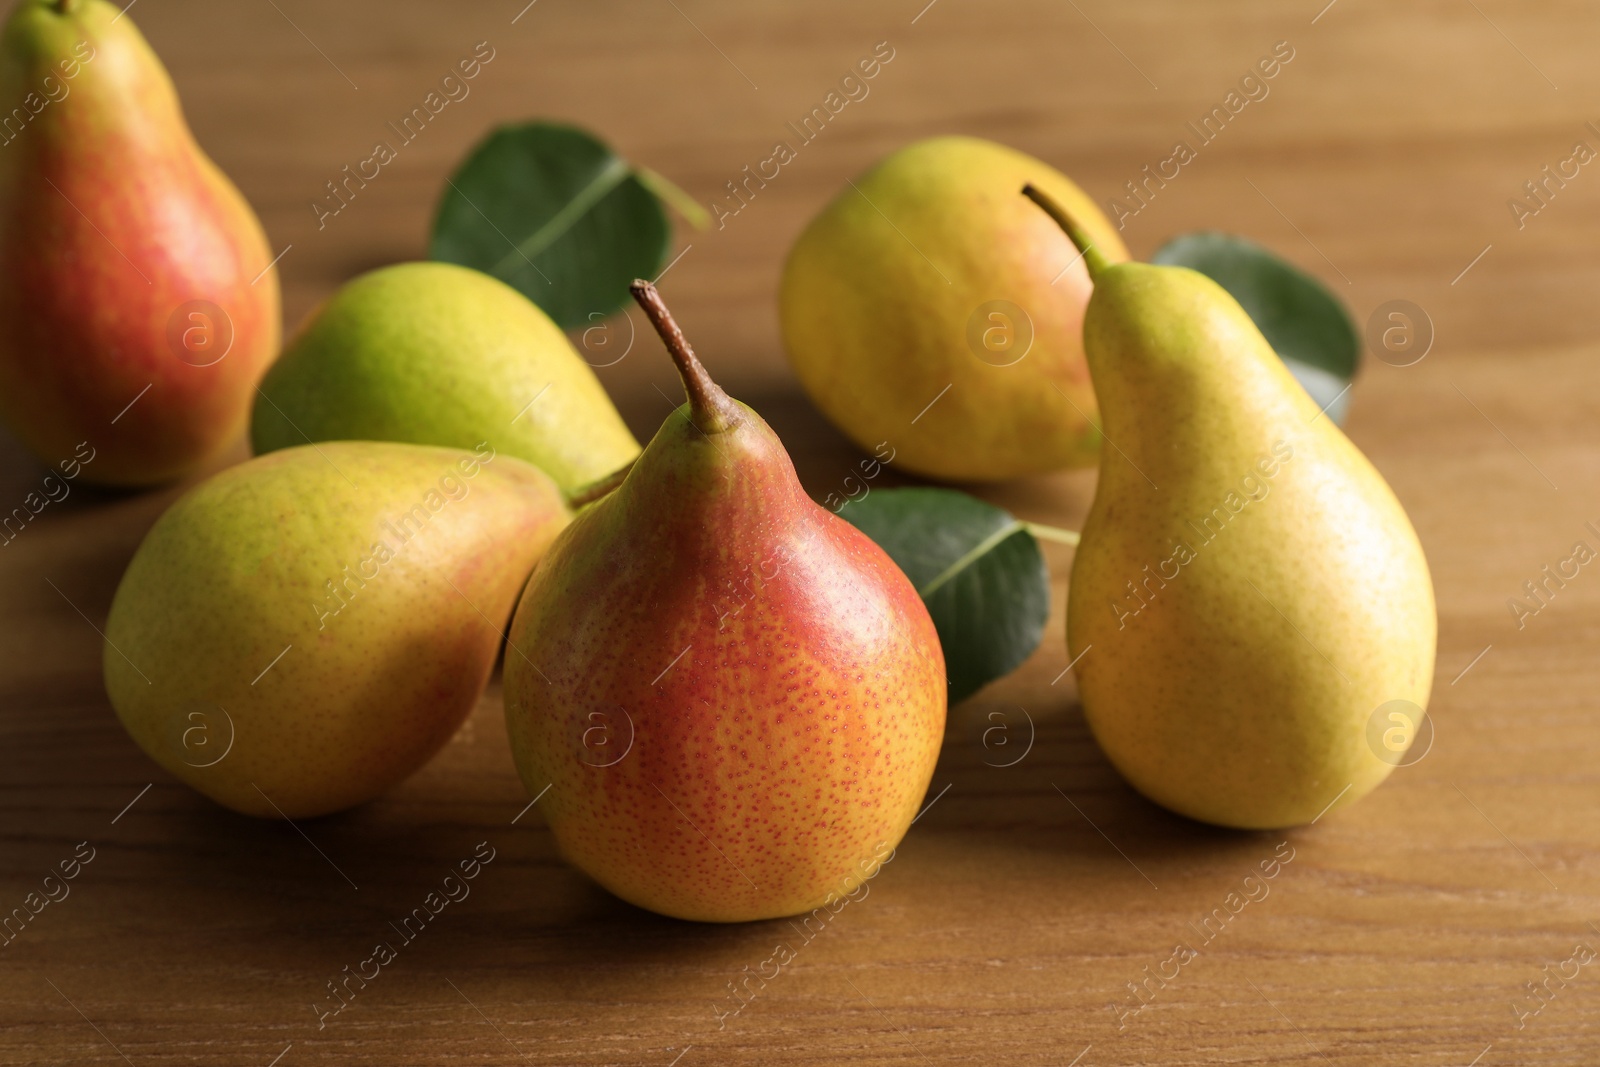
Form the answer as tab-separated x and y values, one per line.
734	698
1249	604
436	354
930	307
302	631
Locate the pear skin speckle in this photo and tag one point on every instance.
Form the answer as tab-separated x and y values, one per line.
302	631
735	698
1248	592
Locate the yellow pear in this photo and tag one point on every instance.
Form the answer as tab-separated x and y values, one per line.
1250	608
302	631
931	307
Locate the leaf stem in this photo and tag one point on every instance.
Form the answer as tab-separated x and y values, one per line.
1052	533
681	202
589	492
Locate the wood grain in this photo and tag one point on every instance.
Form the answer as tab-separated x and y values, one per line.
1026	898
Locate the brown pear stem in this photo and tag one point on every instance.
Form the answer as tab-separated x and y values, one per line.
710	409
67	7
1080	237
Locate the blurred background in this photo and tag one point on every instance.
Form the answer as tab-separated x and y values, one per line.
1391	142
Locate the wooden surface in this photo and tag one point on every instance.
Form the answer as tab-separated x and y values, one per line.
1403	930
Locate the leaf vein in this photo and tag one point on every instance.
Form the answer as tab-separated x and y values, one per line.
977	552
607	178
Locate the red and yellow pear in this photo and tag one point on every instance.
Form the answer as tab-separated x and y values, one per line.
138	304
734	697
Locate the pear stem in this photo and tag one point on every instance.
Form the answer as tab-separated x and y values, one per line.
710	409
1092	257
67	7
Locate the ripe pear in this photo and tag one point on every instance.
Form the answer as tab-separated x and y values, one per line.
734	697
1248	596
138	301
302	631
437	354
930	307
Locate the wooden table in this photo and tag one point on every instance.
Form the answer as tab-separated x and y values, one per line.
1403	931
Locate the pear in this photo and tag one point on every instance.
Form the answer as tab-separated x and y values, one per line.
929	307
138	300
1248	598
734	698
302	631
437	354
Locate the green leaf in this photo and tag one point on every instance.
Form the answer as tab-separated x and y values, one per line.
556	214
1305	324
979	571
